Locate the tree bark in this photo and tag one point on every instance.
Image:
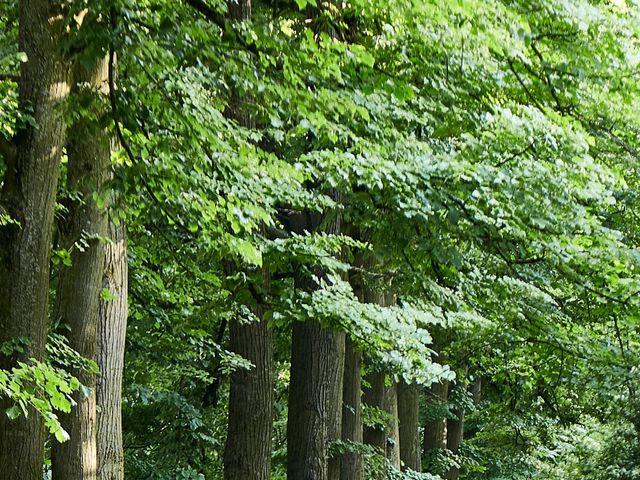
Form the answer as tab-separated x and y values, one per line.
28	197
351	467
315	401
112	327
373	396
476	390
408	410
247	451
435	432
80	284
393	432
455	432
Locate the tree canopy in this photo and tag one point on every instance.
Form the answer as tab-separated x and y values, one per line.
414	219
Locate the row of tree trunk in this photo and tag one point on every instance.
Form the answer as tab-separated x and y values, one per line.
325	392
95	321
326	385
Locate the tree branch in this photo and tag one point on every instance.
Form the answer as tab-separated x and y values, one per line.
9	77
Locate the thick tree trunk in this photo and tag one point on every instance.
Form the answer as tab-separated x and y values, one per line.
28	197
408	410
315	388
373	396
351	467
247	451
435	431
80	284
315	401
112	327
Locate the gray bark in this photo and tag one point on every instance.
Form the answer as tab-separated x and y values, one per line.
247	451
373	396
393	432
315	401
112	327
79	285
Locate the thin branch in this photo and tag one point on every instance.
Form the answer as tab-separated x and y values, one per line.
123	142
524	86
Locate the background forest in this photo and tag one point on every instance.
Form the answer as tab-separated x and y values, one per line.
319	240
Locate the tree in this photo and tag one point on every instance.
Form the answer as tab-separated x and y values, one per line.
315	398
351	462
82	235
408	419
247	451
26	208
112	326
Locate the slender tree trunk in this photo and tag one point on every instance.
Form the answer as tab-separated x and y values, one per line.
435	431
476	390
408	410
112	327
351	467
28	197
247	451
393	432
79	285
455	432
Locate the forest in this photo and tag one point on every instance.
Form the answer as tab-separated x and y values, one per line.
319	239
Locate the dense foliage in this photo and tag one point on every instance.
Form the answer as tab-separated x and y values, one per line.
481	159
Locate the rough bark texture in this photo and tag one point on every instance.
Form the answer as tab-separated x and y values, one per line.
28	196
317	368
315	399
455	432
435	431
408	409
80	284
247	451
351	467
373	396
112	327
393	432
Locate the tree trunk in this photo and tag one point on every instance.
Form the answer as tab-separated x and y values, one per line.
80	284
393	432
247	451
28	197
317	368
476	390
435	432
408	409
373	396
351	467
112	327
315	401
455	431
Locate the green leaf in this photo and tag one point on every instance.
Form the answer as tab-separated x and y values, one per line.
13	412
